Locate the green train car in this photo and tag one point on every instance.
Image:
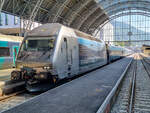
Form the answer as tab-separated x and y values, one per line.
9	46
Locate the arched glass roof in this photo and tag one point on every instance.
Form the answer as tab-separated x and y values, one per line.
127	28
85	15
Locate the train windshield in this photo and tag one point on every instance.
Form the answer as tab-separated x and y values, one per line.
36	49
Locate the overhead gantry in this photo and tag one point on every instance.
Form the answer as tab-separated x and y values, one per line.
84	15
1	4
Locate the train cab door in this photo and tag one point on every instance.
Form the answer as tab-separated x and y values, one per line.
15	52
72	60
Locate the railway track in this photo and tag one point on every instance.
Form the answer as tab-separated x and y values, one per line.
4	97
9	101
14	99
121	105
142	98
134	96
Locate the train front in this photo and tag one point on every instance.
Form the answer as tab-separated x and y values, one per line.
34	62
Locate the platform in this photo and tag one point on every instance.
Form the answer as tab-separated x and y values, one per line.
5	76
82	95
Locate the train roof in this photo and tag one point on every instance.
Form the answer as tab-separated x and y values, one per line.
144	46
44	30
82	34
10	38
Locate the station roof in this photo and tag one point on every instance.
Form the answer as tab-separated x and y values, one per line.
84	15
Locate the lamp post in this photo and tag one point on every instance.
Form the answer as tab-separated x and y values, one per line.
129	34
1	4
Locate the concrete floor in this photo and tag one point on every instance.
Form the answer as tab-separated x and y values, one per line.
82	95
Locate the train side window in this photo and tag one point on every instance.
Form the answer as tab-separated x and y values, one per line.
71	57
15	52
65	40
4	52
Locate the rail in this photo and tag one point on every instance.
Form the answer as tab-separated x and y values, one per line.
11	95
132	89
105	107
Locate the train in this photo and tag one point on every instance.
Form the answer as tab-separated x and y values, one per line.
52	52
9	46
145	49
117	52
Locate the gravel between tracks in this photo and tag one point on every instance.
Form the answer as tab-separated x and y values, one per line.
121	104
142	91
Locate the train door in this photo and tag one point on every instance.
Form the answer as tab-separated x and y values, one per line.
15	52
71	56
107	53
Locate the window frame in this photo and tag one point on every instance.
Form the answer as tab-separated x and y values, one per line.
8	52
15	20
6	19
1	20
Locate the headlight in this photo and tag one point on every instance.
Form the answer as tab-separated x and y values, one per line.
46	67
42	76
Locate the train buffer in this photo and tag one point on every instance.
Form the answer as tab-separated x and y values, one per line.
6	85
83	95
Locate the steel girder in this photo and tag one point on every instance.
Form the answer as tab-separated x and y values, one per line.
1	4
78	15
119	15
96	24
86	25
107	3
13	6
124	4
77	23
22	8
57	9
29	9
73	12
111	7
33	14
113	12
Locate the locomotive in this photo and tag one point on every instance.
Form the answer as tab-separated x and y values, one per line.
9	46
52	52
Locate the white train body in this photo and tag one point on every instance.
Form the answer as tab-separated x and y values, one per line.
73	52
53	51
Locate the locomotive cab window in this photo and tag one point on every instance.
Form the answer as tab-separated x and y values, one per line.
38	44
37	49
4	52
